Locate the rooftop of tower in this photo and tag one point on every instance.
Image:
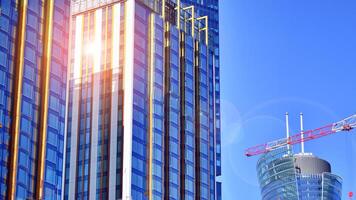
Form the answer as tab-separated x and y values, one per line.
186	19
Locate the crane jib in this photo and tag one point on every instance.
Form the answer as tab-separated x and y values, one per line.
346	124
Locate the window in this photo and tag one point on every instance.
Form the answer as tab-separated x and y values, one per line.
189	155
49	193
158	139
4	22
139	116
50	175
55	86
140	56
3	59
173	162
158	108
189	185
51	155
139	86
30	54
23	159
138	164
3	40
157	186
138	148
27	90
173	147
25	125
21	191
137	180
24	141
157	170
173	192
138	132
26	109
173	132
53	121
54	103
159	78
174	74
189	140
29	73
159	64
158	124
31	37
158	94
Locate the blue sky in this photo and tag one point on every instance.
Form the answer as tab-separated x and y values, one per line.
285	55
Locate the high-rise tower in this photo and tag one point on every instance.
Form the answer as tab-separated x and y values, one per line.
33	71
142	120
283	175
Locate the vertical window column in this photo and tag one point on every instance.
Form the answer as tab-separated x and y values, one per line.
76	70
97	29
115	59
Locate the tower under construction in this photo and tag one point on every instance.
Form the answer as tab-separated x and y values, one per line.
285	175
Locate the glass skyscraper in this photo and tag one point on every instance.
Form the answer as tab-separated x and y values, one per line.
33	69
142	110
283	175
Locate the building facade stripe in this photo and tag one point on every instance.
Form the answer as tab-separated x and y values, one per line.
182	114
197	118
115	59
104	77
15	125
95	104
76	100
84	83
128	97
68	74
166	44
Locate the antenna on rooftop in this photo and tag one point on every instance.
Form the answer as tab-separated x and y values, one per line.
302	132
287	130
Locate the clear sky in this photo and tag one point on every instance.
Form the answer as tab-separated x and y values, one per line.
285	55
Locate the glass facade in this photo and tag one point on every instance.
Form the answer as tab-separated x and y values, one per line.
309	186
24	90
141	112
210	8
282	177
172	121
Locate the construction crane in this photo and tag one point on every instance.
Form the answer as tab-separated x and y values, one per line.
346	124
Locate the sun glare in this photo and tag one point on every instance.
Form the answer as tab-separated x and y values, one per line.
78	48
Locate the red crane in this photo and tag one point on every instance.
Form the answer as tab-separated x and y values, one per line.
346	124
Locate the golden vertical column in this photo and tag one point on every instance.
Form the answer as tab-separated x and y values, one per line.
205	28
163	9
45	76
191	18
17	92
151	96
178	14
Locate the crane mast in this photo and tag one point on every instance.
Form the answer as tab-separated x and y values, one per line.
346	124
